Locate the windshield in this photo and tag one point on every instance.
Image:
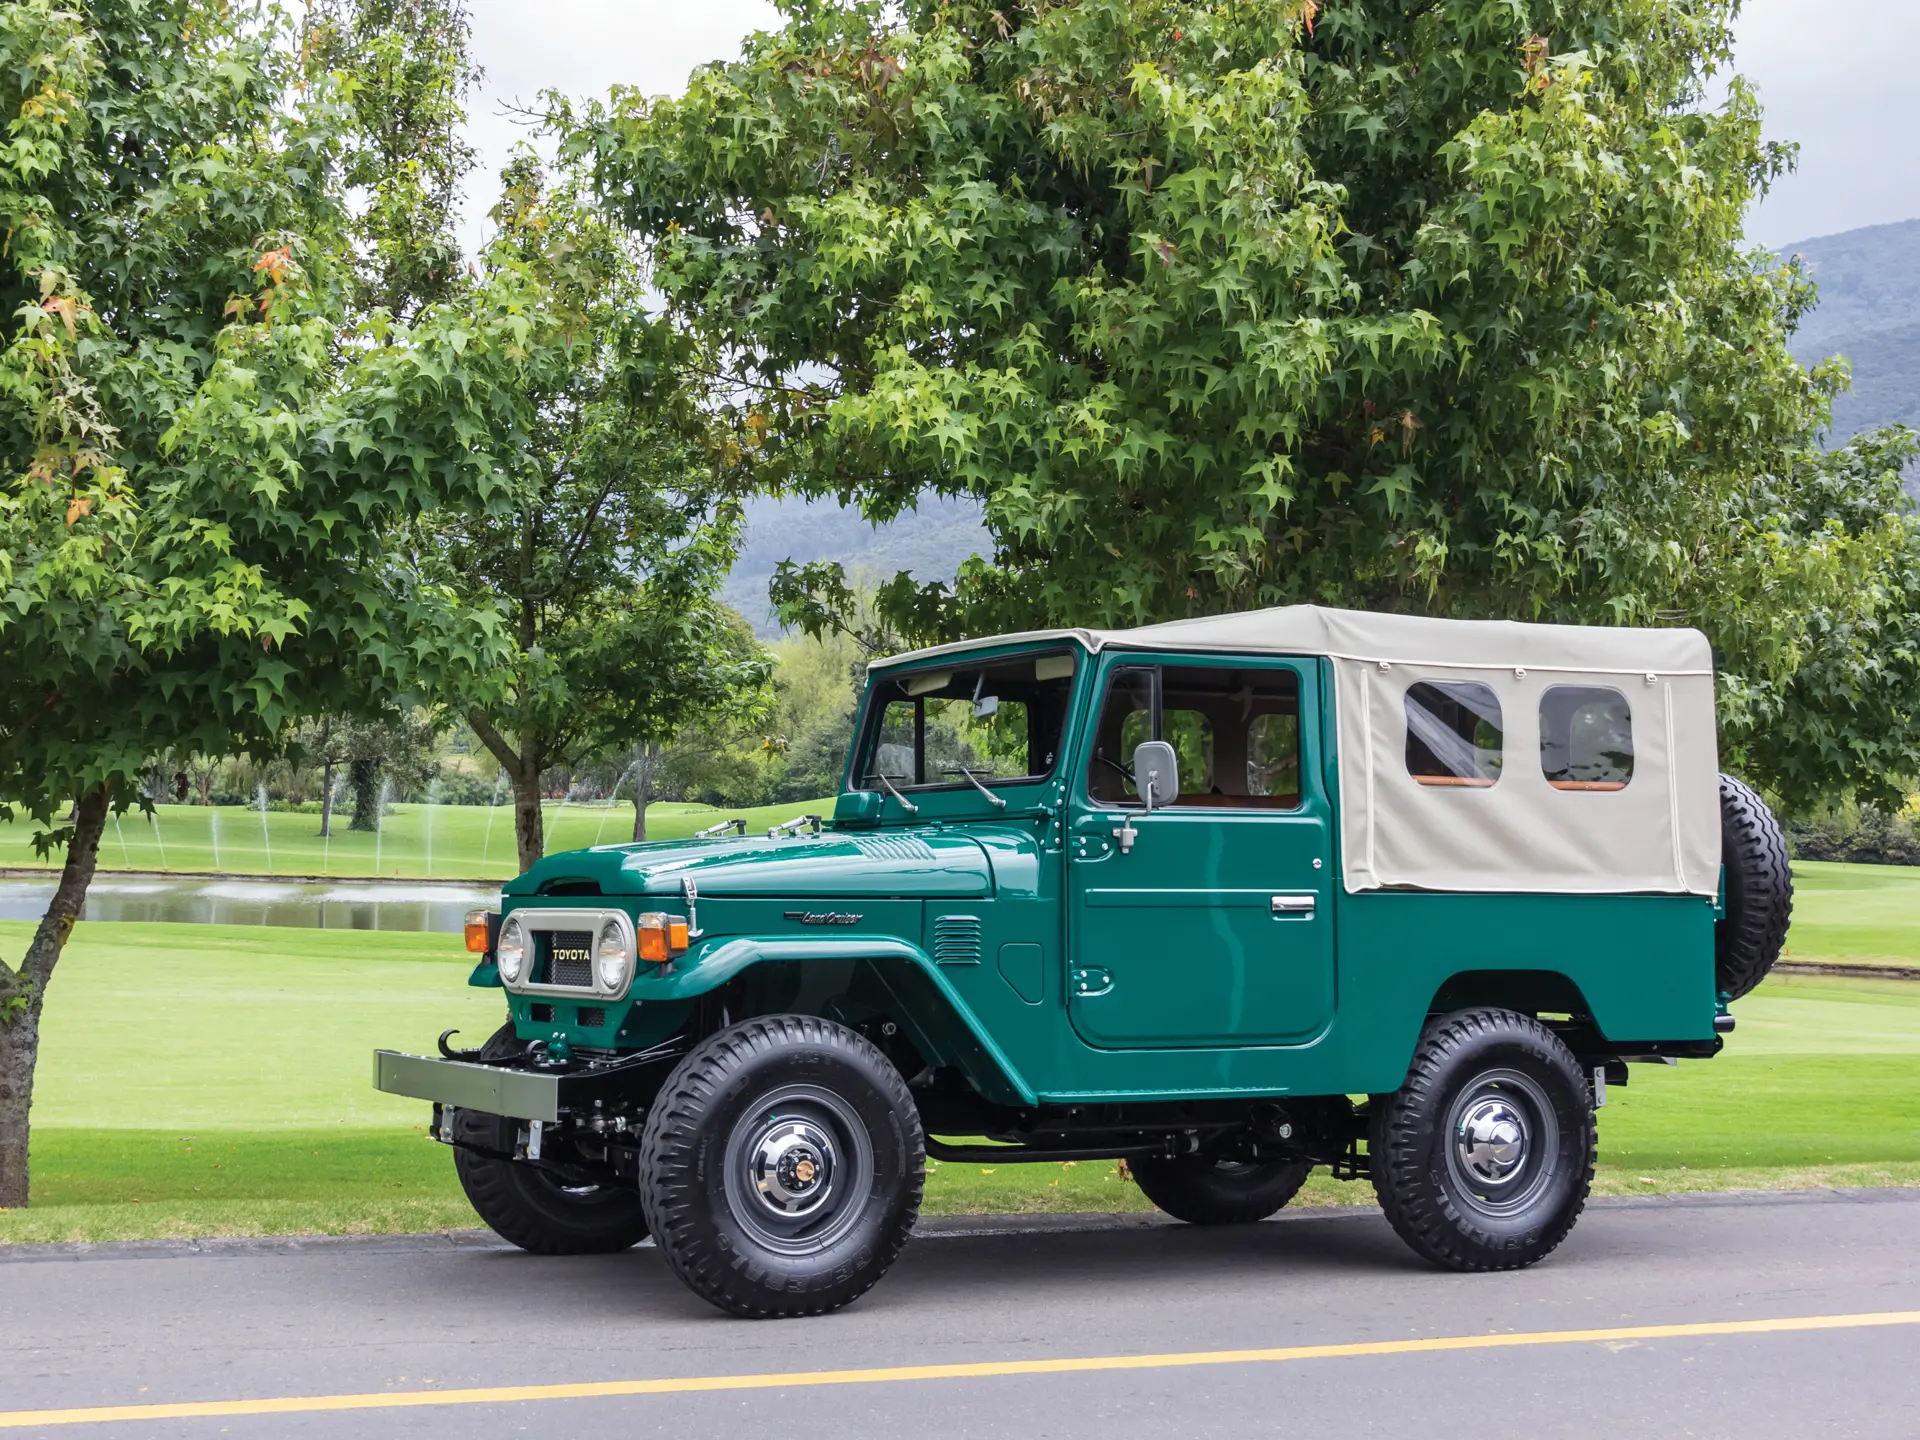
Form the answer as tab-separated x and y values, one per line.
998	721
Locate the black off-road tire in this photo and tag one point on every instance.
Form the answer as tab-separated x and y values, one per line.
1759	899
1469	1066
748	1092
1206	1190
530	1207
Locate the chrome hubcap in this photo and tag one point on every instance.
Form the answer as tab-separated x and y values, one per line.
1492	1140
799	1166
793	1163
1503	1145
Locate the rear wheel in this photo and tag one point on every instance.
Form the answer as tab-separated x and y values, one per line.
782	1167
1207	1190
1483	1159
530	1207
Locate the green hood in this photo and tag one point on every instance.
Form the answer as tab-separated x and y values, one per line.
931	864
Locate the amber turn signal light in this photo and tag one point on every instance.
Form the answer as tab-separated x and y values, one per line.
661	937
477	930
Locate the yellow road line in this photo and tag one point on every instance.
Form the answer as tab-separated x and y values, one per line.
892	1374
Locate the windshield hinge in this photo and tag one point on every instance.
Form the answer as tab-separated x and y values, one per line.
692	893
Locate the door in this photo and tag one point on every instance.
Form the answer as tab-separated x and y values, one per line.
1209	921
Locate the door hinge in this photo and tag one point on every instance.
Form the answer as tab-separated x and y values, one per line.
1092	980
1091	847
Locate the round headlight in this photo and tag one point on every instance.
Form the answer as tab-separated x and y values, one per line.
611	957
510	950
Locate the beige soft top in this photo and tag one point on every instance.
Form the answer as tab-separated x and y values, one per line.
1365	635
1660	834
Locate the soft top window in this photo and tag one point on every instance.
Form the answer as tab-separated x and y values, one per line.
1586	737
1454	733
954	725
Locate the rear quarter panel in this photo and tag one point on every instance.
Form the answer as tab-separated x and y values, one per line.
1643	964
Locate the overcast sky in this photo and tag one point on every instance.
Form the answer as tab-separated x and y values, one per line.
1834	75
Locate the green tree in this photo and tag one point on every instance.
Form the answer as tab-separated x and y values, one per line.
193	536
374	752
618	525
409	71
1227	303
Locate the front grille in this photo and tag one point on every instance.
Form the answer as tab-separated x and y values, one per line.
565	958
540	1014
592	1017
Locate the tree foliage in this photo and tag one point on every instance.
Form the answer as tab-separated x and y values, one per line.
1437	307
193	531
619	521
407	72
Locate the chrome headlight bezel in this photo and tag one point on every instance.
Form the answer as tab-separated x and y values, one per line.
614	956
510	951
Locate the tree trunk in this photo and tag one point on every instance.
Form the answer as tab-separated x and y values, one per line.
363	778
645	761
326	801
526	815
23	993
523	778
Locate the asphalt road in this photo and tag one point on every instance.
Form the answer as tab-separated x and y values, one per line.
365	1321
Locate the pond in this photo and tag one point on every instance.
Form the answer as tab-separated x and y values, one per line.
213	901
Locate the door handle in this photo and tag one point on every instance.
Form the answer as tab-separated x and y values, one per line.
1290	906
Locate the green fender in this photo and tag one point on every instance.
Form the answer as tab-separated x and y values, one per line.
713	963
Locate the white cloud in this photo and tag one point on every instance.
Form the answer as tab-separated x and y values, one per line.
584	48
1835	76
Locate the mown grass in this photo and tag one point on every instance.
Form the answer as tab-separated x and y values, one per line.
201	1080
466	842
1860	914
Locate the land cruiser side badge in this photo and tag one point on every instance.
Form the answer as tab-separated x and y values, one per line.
823	917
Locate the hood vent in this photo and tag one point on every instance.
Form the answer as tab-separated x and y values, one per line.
893	847
956	940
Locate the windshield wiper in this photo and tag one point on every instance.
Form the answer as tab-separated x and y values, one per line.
974	780
905	804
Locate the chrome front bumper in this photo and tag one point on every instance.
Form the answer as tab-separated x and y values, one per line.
489	1089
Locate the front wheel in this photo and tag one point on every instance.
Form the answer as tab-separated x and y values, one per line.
1206	1190
529	1206
782	1166
1483	1159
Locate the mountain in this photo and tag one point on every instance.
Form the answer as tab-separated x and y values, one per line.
1869	311
932	542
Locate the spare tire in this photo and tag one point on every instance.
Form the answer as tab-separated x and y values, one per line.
1759	890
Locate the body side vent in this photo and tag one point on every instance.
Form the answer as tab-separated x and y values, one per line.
956	940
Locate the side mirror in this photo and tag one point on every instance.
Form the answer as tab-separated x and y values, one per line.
1156	773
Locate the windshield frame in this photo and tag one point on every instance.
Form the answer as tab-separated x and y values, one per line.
861	777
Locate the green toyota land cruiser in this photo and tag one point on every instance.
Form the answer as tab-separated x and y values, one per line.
1230	898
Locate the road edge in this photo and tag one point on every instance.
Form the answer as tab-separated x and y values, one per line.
940	1227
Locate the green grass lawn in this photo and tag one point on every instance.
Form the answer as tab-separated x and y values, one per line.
207	1080
1860	914
464	842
